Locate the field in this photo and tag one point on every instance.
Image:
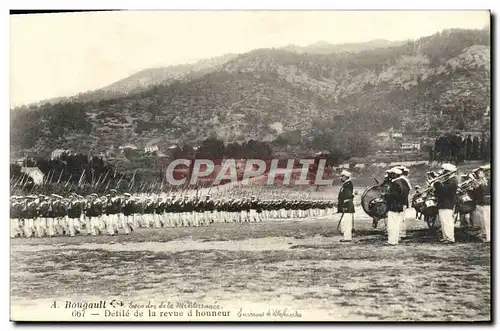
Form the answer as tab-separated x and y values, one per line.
292	269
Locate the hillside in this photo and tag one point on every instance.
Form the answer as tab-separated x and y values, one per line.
166	75
433	83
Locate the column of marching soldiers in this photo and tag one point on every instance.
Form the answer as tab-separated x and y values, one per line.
54	215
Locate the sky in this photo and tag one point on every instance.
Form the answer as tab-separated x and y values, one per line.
56	55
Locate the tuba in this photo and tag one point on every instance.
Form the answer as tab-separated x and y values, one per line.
475	179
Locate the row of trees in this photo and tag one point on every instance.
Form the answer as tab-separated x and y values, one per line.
70	171
455	148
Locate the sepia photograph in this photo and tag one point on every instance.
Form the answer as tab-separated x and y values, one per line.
250	166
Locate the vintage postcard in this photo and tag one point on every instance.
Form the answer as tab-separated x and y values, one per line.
250	166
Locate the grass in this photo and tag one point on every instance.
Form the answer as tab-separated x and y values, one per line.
299	264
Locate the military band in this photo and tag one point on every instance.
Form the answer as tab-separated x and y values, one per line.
445	200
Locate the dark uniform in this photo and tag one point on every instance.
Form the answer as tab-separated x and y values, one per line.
446	196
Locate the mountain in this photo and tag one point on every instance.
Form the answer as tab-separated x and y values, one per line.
166	75
323	47
440	82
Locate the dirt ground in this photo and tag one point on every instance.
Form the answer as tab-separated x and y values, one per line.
274	270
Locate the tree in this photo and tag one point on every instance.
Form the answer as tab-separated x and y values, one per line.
475	154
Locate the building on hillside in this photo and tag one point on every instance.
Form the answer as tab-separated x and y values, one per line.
410	146
395	134
128	146
57	153
389	139
151	149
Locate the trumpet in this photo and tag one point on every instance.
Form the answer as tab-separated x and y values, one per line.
442	178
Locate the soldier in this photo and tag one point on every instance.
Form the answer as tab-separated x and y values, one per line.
139	216
446	195
112	209
346	205
210	213
229	211
167	212
128	208
59	212
16	210
396	197
73	214
196	211
44	213
75	211
283	205
93	211
256	209
176	209
31	213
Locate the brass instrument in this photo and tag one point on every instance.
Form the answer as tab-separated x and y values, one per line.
441	179
476	179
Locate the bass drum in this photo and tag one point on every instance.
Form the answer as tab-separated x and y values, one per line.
465	205
373	202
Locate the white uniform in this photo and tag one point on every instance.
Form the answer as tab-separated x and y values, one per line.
402	225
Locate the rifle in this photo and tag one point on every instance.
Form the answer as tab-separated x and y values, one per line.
59	179
97	182
68	180
50	181
81	177
118	184
104	179
132	180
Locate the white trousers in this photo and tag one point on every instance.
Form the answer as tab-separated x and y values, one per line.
14	227
484	220
123	222
346	225
111	224
393	223
447	224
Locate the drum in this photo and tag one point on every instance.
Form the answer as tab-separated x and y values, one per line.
465	205
429	207
418	202
373	202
